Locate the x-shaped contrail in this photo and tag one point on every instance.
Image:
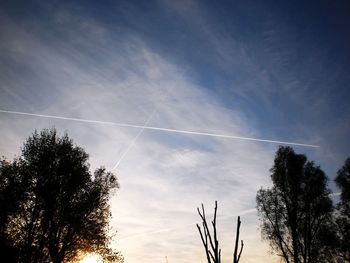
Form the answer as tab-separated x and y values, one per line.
132	143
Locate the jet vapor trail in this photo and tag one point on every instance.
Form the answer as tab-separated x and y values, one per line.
159	129
132	143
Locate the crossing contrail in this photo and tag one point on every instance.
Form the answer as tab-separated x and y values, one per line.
132	143
208	134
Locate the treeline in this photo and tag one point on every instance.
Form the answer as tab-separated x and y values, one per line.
52	209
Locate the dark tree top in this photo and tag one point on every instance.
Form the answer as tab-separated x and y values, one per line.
57	207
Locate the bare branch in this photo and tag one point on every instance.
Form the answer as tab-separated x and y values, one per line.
240	252
235	257
212	252
211	244
205	242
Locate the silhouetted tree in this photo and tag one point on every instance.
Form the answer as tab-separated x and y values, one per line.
11	194
211	243
55	208
295	212
343	218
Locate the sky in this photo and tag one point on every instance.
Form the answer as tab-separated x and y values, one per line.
267	70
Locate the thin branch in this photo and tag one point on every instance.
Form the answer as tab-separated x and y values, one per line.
235	257
240	252
211	246
205	243
216	247
237	239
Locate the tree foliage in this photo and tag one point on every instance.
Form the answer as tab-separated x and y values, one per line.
52	207
343	218
295	212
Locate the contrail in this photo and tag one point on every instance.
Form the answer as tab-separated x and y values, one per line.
160	129
132	143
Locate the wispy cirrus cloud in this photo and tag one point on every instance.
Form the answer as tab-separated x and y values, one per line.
198	74
159	174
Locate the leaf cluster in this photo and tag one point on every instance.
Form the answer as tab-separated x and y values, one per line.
343	208
52	207
295	212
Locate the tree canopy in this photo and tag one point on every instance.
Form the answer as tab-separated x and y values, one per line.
51	206
343	218
295	212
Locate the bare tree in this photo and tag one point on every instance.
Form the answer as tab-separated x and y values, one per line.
211	243
235	256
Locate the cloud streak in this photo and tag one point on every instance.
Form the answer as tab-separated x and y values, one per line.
244	212
142	127
219	81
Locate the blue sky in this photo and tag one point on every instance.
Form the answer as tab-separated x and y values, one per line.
277	71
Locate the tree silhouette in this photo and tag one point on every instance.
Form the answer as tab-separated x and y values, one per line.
296	211
343	219
54	208
11	194
211	243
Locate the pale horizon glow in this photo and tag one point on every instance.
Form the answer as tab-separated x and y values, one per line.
245	212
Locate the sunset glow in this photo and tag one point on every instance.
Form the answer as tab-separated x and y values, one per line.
91	258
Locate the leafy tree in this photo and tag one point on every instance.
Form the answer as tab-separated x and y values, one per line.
11	193
53	207
296	211
343	219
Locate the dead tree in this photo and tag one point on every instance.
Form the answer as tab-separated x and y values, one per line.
211	243
235	256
